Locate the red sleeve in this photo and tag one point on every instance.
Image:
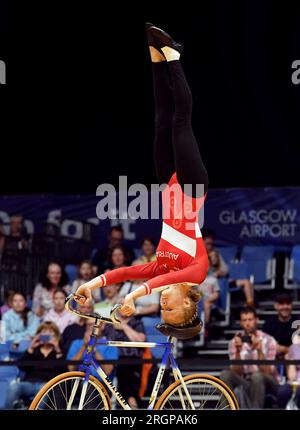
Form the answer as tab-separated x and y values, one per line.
140	271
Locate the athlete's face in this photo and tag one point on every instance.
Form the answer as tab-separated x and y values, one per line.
173	302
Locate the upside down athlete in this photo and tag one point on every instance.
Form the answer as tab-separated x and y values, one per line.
181	256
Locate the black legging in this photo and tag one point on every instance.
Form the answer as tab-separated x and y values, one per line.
175	146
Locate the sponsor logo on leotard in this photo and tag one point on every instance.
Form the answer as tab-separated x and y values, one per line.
167	254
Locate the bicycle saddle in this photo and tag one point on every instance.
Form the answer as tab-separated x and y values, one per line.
183	333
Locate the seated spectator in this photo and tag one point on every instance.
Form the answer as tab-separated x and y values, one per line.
58	314
102	352
77	329
252	343
216	268
8	296
52	278
208	238
148	251
15	245
293	374
44	347
85	274
100	260
19	322
111	294
117	258
18	237
2	238
129	376
280	326
210	291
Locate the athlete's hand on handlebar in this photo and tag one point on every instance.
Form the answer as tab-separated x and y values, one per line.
85	291
128	307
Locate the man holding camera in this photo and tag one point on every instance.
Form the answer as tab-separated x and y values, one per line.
252	344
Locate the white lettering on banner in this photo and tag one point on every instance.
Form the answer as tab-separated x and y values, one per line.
275	230
275	223
260	216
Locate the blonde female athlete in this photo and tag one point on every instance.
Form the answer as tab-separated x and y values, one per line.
181	260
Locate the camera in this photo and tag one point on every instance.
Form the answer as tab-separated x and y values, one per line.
246	339
44	338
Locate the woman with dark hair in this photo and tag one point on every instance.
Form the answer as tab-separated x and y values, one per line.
182	261
19	322
58	314
117	258
52	277
148	251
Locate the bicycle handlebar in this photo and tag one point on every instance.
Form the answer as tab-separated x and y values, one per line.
112	320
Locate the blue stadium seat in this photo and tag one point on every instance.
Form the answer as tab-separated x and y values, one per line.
3	392
4	351
149	325
238	270
292	269
71	270
228	253
8	372
261	265
152	335
16	353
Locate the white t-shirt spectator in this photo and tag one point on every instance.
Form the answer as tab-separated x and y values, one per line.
209	286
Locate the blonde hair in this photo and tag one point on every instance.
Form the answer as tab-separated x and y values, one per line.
191	313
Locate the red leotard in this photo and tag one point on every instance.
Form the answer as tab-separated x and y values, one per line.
181	254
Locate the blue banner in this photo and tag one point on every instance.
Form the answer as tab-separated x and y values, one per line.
237	216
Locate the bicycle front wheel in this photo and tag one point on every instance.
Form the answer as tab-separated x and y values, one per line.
202	392
65	392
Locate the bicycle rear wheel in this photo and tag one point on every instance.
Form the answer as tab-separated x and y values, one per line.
205	392
64	392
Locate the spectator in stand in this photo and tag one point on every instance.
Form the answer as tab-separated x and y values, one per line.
58	314
280	326
209	238
111	294
285	391
8	296
2	239
248	344
19	322
18	237
102	352
78	328
130	329
44	347
52	278
85	274
215	269
210	291
100	260
148	251
117	257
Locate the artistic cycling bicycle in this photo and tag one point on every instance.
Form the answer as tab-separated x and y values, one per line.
80	390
